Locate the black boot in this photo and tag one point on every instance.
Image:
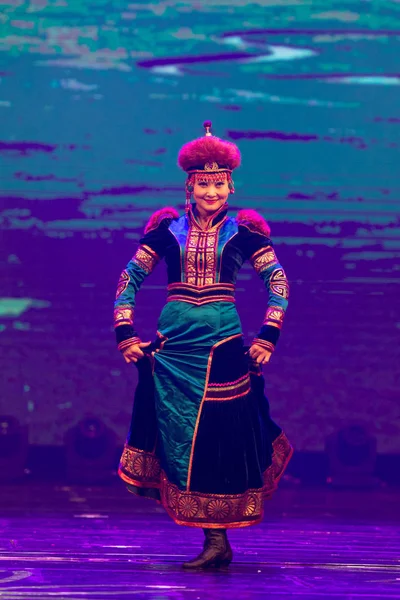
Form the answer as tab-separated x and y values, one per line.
216	552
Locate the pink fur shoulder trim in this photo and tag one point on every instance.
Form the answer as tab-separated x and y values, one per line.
254	221
163	213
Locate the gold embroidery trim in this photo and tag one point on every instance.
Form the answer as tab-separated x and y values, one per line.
122	283
211	166
228	391
197	509
264	343
274	316
129	342
197	295
123	315
146	258
279	284
200	301
139	467
263	259
201	288
200	257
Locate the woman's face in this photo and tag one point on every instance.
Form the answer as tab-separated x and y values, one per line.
210	196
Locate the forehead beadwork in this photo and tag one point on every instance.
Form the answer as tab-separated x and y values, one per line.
209	177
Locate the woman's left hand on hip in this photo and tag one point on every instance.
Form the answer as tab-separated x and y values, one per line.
259	354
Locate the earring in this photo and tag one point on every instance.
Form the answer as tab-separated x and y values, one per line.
231	186
189	190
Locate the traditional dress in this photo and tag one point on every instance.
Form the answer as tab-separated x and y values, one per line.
201	440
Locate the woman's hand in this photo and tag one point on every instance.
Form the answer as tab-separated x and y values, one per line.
259	354
134	352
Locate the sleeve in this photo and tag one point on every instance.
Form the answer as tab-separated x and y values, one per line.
258	248
150	251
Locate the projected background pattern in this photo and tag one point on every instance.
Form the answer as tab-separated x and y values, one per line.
97	97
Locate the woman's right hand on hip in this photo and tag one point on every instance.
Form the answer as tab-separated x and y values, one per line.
134	352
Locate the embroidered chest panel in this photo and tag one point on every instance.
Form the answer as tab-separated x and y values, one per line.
201	250
201	257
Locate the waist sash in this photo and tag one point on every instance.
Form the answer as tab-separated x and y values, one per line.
186	292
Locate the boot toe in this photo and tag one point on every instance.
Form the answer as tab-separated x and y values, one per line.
216	553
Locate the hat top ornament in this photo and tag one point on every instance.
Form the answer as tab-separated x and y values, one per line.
207	126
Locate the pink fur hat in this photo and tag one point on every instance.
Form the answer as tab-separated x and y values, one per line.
209	154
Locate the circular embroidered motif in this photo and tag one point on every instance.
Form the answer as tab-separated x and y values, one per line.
153	468
218	509
188	506
250	506
279	450
172	497
145	466
269	480
139	466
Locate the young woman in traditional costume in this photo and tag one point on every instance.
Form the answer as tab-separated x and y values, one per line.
201	440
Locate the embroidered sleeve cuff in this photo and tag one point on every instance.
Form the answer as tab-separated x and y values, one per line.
264	343
274	317
126	343
123	315
263	259
146	258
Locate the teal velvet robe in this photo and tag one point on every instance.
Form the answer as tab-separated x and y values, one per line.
201	439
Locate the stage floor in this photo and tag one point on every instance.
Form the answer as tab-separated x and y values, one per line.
70	542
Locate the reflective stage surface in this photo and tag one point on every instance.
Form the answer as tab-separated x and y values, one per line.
74	542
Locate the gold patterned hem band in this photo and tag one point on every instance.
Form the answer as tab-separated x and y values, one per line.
198	509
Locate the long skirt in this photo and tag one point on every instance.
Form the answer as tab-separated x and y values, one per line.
201	440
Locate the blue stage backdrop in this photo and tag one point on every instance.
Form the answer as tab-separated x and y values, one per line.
96	99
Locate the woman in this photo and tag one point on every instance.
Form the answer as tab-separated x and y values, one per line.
201	440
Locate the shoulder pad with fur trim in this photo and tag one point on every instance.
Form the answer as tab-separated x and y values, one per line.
156	218
253	221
